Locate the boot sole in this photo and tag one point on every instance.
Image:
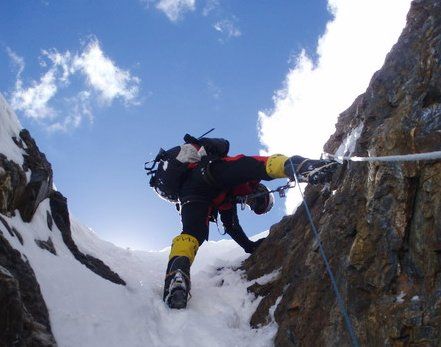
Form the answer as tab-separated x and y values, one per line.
178	299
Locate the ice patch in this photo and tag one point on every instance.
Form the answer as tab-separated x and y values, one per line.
268	278
347	146
400	297
274	307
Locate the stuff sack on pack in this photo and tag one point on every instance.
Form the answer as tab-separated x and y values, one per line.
171	167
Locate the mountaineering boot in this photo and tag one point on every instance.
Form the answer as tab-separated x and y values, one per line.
177	282
310	170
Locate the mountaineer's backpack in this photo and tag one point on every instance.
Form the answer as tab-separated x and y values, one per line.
174	164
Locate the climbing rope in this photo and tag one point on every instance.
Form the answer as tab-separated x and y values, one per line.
405	157
344	312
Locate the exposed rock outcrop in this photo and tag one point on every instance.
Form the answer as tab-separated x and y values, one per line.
12	185
381	227
24	318
40	184
60	215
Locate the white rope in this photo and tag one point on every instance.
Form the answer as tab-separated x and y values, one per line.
406	157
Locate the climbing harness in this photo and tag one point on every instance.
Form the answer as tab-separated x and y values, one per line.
344	312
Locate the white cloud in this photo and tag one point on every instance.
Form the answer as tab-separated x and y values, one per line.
210	6
353	47
33	101
102	77
59	60
79	108
227	27
175	9
16	60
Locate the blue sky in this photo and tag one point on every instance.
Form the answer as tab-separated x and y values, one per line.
102	85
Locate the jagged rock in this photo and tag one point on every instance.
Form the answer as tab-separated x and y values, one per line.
40	184
381	229
47	245
60	215
15	191
6	225
50	221
12	185
24	319
18	235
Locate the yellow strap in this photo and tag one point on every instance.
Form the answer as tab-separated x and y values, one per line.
275	166
184	245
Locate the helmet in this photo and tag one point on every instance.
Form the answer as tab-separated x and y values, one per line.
263	200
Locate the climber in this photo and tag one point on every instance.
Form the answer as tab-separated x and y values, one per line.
211	186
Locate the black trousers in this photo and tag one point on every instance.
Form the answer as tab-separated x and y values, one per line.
196	195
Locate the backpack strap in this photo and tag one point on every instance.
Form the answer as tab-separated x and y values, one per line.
207	174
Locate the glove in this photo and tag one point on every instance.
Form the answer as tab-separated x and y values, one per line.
252	246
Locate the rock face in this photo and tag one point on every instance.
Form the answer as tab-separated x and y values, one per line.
381	226
40	184
24	318
60	215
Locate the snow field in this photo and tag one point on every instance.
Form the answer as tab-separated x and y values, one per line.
87	310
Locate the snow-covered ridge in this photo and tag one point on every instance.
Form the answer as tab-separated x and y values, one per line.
9	127
87	310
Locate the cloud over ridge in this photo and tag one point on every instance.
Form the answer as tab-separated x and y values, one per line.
352	48
102	79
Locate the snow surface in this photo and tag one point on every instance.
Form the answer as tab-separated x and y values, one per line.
347	146
89	311
9	127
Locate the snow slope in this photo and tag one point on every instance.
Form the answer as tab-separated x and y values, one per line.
9	127
88	311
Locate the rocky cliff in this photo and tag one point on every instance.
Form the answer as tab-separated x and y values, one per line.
25	182
381	223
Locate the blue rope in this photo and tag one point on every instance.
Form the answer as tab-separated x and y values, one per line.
344	312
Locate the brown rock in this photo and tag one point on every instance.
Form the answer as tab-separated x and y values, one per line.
381	229
60	215
24	319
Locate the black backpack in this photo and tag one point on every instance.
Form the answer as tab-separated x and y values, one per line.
171	167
